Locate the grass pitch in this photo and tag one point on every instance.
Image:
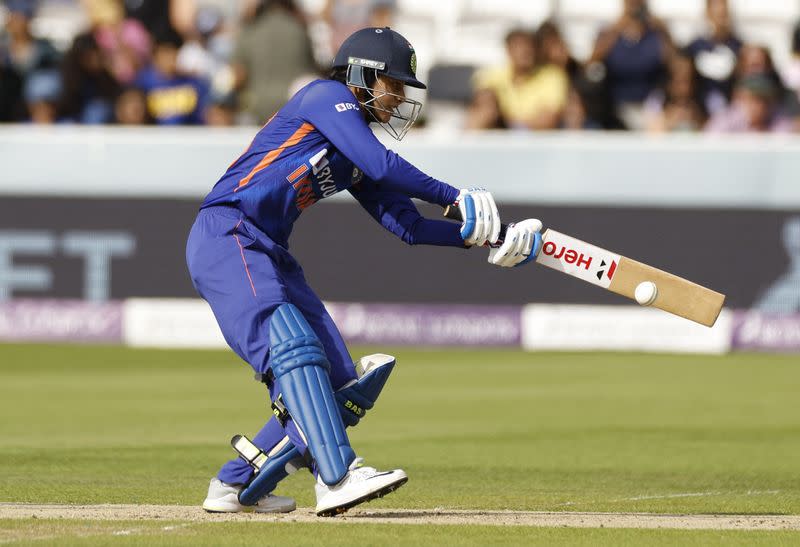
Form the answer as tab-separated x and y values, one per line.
485	429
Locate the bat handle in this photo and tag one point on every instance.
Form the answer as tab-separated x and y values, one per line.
454	213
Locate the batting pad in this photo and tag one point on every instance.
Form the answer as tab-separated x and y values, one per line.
359	396
354	400
300	366
270	473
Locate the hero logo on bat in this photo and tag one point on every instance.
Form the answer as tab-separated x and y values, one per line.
570	256
578	258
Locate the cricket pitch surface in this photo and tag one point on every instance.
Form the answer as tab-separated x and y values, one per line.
410	516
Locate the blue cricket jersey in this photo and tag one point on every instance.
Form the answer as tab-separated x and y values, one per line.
319	144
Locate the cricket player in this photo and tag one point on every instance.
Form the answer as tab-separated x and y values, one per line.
238	256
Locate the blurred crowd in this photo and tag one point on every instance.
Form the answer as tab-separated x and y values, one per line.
163	62
638	79
187	62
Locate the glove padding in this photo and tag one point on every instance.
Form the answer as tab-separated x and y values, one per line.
521	245
481	219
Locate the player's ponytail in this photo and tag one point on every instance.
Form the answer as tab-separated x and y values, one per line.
338	74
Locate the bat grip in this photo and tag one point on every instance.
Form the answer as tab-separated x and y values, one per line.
454	213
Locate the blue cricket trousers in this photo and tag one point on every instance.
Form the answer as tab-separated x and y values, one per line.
245	276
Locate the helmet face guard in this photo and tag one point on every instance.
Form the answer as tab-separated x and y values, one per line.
403	115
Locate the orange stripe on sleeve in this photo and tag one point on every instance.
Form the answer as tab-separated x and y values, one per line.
272	155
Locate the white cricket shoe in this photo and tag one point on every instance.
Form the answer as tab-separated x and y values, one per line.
359	485
224	498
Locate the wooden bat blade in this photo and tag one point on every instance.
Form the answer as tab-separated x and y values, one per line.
622	275
675	294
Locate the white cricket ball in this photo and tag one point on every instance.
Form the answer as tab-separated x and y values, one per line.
646	293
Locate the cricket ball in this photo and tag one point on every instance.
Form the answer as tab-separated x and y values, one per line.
646	293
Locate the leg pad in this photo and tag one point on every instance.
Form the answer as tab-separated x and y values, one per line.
300	367
271	468
360	395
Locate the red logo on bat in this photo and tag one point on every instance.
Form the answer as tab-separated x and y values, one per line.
611	269
570	256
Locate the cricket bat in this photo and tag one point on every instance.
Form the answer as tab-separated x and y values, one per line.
623	275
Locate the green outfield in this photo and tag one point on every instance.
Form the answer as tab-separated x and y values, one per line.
479	429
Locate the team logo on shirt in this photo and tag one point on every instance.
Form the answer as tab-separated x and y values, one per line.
341	107
313	184
358	174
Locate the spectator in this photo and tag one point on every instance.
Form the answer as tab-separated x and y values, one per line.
588	103
125	42
21	55
22	52
172	98
42	91
130	108
634	51
757	60
89	87
264	79
754	108
530	95
715	56
484	111
166	20
553	49
344	17
678	105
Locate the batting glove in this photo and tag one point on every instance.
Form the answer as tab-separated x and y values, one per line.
481	219
521	245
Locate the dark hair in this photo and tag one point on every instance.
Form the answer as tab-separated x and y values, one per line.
770	71
338	74
548	29
172	40
520	32
81	82
698	98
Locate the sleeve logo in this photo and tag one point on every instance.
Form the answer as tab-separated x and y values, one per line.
341	107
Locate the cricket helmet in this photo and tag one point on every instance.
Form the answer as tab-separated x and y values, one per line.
382	49
370	52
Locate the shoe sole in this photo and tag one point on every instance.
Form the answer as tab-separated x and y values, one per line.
250	510
339	509
221	509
